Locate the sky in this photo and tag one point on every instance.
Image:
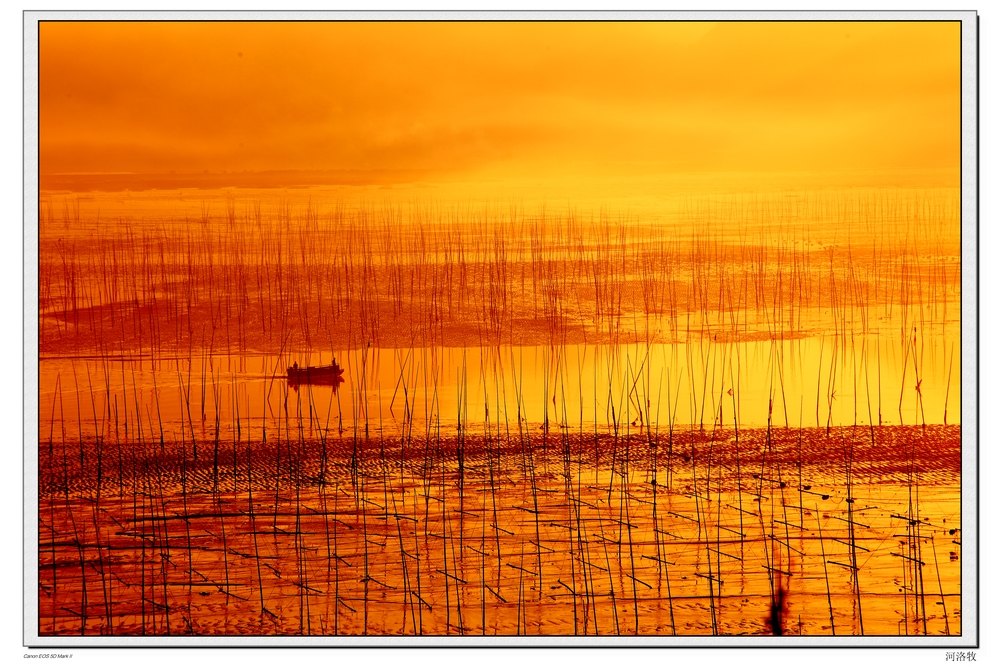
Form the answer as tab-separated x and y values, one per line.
14	270
231	103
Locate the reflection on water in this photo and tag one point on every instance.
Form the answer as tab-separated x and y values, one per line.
698	534
739	416
818	382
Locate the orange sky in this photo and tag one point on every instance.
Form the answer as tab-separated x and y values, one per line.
438	101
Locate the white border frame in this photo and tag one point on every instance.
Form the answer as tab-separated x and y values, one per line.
969	348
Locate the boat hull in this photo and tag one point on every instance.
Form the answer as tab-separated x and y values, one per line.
326	375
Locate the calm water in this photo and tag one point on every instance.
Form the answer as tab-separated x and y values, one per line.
814	382
682	420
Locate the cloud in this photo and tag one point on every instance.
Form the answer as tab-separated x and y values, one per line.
453	98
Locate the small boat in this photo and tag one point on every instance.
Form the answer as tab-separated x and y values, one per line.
325	375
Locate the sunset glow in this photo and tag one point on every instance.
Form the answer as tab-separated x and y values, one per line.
500	329
404	102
